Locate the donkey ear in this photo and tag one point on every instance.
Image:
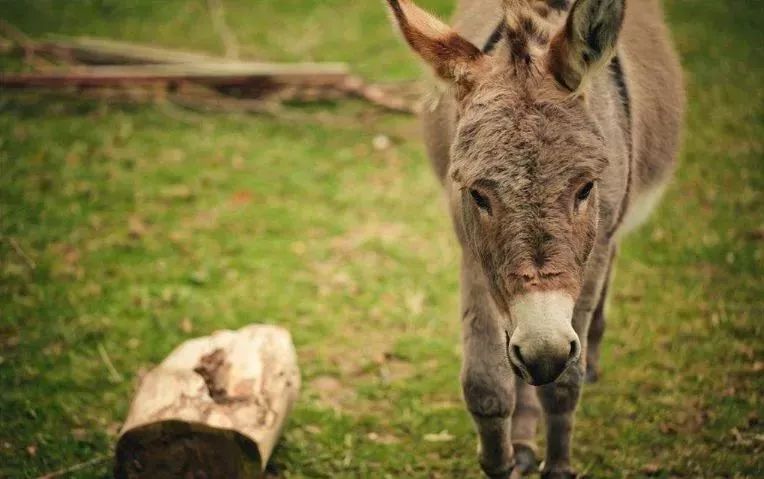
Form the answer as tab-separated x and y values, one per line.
588	41
451	56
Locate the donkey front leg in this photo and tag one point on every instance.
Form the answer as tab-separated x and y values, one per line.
524	421
560	398
488	387
487	380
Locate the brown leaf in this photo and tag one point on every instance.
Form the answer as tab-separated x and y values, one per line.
326	384
186	326
757	234
237	162
667	428
651	469
241	198
415	302
753	419
382	438
136	227
177	192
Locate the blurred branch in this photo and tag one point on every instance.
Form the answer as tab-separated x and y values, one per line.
76	467
217	12
113	64
257	76
113	373
101	51
22	254
22	42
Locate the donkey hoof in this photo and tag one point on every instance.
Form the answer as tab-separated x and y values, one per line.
497	472
525	459
559	475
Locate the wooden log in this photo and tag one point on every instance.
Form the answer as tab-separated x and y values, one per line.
215	74
102	51
135	64
213	409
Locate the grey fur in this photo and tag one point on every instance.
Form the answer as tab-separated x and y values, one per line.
513	148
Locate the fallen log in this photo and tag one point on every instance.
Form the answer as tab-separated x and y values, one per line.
212	74
214	408
121	64
101	51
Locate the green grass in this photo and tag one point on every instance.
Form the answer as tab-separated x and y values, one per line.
138	222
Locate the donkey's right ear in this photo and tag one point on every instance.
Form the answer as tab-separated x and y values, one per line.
451	56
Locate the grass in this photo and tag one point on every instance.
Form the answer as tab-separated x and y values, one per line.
128	229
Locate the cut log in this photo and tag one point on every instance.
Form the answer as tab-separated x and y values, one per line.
216	74
122	64
101	51
213	409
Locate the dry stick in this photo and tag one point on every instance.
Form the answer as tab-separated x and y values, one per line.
257	77
355	86
101	51
19	251
303	81
75	467
26	44
115	376
217	12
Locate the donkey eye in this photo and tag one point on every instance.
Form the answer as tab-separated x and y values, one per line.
583	193
480	200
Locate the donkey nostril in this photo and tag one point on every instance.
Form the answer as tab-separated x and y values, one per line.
574	350
518	356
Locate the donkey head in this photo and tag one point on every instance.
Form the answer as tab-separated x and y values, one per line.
525	161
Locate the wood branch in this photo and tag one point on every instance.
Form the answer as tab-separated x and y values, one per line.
214	408
217	12
100	51
19	41
74	468
137	65
375	94
259	76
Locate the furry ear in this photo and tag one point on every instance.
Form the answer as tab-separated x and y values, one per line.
451	56
588	41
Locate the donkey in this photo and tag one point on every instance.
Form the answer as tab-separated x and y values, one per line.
555	133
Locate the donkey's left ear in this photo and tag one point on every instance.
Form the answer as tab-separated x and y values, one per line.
588	41
452	56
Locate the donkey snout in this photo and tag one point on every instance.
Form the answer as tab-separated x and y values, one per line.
544	361
543	343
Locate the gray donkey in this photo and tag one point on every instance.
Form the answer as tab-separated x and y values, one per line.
556	133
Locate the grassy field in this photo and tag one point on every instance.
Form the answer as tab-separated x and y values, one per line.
125	230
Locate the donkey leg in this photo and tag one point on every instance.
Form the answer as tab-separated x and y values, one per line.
524	423
559	400
487	380
597	327
487	384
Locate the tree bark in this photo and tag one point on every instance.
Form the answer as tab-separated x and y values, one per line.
213	409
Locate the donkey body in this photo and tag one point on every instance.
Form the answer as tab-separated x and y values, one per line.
556	135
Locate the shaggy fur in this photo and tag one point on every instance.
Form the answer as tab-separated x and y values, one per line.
549	141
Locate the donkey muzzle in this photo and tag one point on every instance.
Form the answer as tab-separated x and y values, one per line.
543	343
